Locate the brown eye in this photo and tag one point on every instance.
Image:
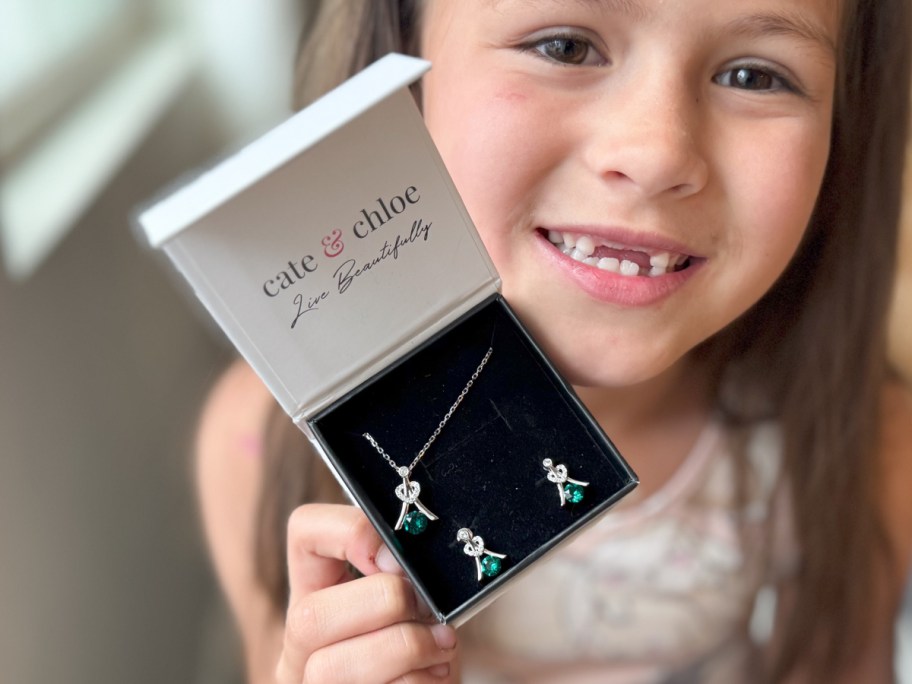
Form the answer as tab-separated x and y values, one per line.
565	50
752	79
755	78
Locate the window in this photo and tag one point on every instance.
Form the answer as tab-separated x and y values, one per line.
81	84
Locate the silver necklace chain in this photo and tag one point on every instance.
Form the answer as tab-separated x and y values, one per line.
436	433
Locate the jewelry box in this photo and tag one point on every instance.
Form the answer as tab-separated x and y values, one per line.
337	256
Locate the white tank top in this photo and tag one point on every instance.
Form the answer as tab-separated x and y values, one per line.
660	591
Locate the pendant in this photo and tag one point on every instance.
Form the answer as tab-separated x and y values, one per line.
567	487
414	522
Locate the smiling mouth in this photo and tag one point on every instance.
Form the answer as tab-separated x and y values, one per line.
613	257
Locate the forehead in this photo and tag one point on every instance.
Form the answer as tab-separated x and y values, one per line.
644	7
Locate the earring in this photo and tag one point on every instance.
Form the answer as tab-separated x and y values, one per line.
567	488
490	565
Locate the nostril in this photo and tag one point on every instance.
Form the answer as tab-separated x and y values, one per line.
616	175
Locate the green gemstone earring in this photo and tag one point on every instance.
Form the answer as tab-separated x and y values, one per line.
487	563
567	488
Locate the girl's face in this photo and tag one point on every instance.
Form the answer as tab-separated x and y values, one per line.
679	144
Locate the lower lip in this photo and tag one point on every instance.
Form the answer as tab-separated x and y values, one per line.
614	288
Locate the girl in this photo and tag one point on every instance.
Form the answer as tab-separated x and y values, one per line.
734	170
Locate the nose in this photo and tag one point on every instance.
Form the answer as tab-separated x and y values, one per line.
647	136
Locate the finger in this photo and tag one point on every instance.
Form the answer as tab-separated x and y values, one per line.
424	677
345	611
322	539
442	673
404	651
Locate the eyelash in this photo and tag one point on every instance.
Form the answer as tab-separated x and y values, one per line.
538	45
779	82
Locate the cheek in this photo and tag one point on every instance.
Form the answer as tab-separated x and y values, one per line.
485	135
498	151
778	186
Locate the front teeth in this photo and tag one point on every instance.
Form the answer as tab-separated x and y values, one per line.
628	268
660	260
609	264
581	248
579	255
585	244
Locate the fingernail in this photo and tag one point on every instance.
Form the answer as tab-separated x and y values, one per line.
386	562
439	671
445	636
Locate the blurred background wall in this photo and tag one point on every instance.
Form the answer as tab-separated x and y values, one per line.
104	359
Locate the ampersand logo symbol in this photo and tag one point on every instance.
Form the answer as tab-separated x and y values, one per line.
333	244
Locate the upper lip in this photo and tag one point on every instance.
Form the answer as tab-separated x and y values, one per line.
629	238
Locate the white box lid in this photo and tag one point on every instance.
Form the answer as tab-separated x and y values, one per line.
332	245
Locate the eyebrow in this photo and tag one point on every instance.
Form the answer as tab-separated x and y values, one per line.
782	24
630	7
751	26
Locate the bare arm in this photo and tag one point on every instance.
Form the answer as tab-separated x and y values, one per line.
229	472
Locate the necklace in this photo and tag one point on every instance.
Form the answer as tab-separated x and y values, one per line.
415	522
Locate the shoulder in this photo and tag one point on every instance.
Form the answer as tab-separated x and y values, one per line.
237	404
228	452
896	471
874	661
891	577
229	472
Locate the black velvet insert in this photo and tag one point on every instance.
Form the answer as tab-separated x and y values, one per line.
484	471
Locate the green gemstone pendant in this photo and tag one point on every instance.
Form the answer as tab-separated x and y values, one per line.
415	522
490	566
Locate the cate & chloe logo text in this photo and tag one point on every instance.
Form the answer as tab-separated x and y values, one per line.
370	219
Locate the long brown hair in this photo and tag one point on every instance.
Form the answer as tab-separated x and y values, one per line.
813	347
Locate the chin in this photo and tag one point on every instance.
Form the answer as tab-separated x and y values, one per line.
614	378
588	357
611	367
